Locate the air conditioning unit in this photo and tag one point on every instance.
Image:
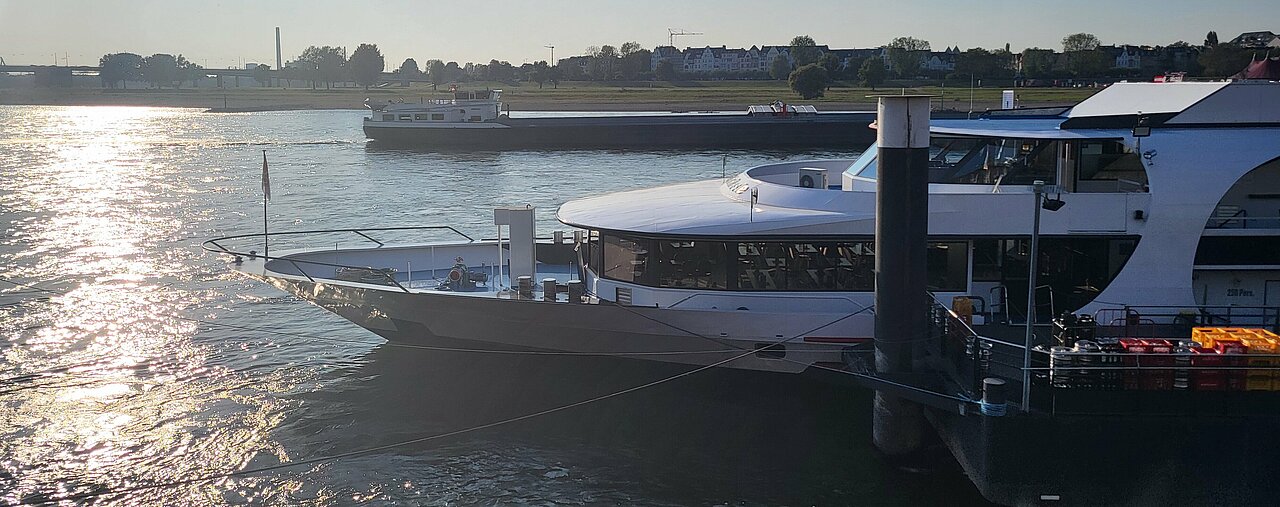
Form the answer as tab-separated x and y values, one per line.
813	178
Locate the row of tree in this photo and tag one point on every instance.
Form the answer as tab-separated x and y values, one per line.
1081	56
159	70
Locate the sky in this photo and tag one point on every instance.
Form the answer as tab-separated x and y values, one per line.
224	33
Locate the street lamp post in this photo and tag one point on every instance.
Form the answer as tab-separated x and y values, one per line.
553	55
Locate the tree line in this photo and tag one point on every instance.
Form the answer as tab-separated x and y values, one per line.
809	70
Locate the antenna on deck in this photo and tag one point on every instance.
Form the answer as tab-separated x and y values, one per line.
672	33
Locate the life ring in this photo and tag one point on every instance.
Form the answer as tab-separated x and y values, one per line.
455	275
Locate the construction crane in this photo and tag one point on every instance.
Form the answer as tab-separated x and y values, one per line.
676	32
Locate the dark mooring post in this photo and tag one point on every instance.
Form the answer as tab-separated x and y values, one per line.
902	222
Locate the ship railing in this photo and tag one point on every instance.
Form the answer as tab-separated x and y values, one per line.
348	272
1175	322
966	356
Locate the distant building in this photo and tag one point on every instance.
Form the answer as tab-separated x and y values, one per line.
940	61
1257	40
758	59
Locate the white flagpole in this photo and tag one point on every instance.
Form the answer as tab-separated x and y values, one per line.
266	196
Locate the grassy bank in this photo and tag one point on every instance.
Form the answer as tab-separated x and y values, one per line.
569	96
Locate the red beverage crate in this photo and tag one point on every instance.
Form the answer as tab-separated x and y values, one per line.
1233	346
1132	379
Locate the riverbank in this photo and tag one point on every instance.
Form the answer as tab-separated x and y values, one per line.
573	96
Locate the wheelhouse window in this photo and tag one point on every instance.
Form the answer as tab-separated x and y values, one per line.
1108	165
993	161
980	161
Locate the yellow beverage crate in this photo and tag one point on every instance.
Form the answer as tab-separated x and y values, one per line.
1259	345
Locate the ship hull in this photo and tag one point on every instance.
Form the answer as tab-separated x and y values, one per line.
709	131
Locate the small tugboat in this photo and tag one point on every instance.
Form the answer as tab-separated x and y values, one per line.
476	120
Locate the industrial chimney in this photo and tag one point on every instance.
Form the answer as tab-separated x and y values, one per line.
279	63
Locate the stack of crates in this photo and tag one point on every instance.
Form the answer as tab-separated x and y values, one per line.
1239	341
1203	379
1152	366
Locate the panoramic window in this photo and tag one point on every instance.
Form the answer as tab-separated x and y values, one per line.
691	264
419	117
437	116
806	266
405	117
388	117
625	259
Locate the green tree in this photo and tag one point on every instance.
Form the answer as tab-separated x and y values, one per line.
980	62
408	71
159	69
1037	63
809	81
832	63
635	60
1211	39
1224	59
119	68
262	74
1080	42
905	55
779	68
189	71
665	71
501	71
872	72
1089	63
366	65
804	50
452	72
629	48
540	73
435	72
323	64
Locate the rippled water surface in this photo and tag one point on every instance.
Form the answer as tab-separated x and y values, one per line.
132	359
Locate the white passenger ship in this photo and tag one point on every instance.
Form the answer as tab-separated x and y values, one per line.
1172	206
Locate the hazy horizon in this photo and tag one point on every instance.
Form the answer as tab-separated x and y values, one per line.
232	32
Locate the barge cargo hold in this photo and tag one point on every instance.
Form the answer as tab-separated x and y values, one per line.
474	120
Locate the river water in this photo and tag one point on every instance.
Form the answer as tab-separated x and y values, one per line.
135	368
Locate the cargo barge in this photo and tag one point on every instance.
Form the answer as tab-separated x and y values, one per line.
476	120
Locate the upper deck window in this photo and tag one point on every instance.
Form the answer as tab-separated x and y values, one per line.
1109	160
980	161
993	161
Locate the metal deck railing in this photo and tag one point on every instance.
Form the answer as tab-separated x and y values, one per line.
374	274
